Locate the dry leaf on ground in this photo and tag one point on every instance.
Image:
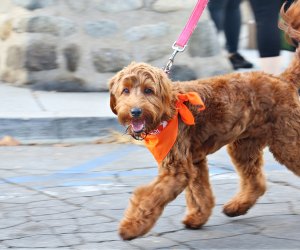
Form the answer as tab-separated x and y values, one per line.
9	141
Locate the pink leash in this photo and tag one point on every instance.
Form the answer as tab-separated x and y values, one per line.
181	43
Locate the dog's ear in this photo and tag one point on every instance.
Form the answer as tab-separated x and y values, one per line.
113	104
112	90
167	93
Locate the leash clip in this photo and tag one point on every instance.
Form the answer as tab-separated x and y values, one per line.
169	64
181	42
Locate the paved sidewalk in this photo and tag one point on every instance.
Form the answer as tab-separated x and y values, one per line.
40	116
73	198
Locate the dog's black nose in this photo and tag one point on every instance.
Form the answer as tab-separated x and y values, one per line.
136	112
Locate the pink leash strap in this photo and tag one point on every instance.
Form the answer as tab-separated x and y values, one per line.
186	33
191	24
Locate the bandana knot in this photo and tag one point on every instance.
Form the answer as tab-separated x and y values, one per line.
161	140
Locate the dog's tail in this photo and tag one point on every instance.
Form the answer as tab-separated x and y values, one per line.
290	23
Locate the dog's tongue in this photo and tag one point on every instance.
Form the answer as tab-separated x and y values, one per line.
137	125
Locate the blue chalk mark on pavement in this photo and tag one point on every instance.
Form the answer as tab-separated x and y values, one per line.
82	171
100	161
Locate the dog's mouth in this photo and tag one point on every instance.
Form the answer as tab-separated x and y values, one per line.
137	126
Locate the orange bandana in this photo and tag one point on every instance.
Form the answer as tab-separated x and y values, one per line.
161	140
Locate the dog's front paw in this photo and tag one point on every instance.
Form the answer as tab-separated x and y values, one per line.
236	208
130	229
194	221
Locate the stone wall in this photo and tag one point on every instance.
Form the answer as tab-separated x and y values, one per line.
76	45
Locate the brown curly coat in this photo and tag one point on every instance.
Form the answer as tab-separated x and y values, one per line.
246	111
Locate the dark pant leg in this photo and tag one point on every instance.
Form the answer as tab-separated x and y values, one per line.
217	12
266	14
232	25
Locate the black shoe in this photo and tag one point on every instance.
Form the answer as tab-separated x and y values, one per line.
239	62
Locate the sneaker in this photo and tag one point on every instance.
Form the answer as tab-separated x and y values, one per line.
239	62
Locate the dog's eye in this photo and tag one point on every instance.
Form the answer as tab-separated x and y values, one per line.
148	91
125	90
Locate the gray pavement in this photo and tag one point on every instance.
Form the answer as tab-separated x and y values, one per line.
58	197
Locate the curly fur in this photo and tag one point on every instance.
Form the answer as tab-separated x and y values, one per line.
246	111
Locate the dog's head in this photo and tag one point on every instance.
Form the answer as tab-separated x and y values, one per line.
141	96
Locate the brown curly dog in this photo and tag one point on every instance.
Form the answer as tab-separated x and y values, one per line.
246	111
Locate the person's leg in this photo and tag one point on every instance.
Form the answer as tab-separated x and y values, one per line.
232	25
217	11
226	16
268	37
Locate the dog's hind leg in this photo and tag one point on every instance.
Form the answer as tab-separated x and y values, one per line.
288	155
285	144
199	196
247	156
